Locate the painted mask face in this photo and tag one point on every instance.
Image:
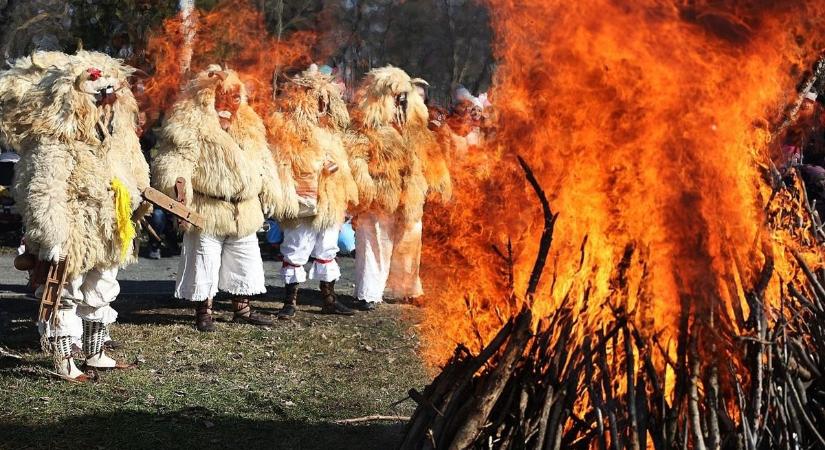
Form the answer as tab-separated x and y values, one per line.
475	113
227	103
323	106
103	88
807	111
401	109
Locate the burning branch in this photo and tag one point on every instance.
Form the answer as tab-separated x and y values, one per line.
546	235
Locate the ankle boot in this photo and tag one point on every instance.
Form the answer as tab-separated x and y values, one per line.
331	303
94	334
203	317
64	361
243	314
291	299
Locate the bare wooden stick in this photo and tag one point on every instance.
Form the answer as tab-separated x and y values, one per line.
819	70
746	429
693	401
7	354
800	409
712	399
594	392
372	418
631	390
601	358
819	290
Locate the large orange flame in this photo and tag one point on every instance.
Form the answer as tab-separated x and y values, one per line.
234	35
647	123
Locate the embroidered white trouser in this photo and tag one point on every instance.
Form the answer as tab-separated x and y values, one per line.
87	297
302	241
209	264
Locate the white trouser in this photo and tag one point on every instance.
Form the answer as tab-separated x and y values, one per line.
87	297
383	246
406	259
208	263
301	241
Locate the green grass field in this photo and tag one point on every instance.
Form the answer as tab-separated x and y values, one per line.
242	387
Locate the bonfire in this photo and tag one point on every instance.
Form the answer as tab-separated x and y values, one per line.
666	288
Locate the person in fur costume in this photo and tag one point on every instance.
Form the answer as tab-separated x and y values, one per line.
388	157
309	134
404	282
79	179
215	141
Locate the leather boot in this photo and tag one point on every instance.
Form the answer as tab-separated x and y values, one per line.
243	314
203	317
331	303
291	299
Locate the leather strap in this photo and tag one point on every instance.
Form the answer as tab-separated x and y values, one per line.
233	200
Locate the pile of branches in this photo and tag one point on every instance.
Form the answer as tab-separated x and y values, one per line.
549	390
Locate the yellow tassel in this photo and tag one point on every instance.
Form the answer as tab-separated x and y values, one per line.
123	215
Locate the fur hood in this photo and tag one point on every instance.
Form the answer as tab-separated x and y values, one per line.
60	101
307	139
73	145
377	105
230	175
310	91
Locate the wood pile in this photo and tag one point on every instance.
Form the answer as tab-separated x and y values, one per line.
546	389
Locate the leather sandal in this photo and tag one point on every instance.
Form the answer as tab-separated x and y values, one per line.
243	314
82	378
203	317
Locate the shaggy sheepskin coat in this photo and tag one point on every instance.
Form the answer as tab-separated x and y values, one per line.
307	139
429	148
71	151
390	147
231	178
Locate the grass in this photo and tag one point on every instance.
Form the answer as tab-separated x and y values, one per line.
242	387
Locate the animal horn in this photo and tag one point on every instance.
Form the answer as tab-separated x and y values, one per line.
34	63
79	46
140	73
